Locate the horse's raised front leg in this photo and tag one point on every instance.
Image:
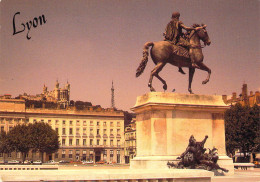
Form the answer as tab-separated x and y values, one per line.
155	72
191	74
202	66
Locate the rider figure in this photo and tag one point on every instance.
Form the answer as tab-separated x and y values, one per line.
173	33
197	148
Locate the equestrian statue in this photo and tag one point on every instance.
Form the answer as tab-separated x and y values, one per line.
179	49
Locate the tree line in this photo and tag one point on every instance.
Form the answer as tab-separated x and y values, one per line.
242	129
36	137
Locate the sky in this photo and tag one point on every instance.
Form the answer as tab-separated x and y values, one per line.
92	43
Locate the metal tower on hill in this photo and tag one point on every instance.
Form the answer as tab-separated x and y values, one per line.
112	96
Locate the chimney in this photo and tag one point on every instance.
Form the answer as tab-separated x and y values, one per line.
234	96
244	90
224	97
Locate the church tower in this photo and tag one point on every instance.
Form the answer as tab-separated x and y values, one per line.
45	89
57	90
67	87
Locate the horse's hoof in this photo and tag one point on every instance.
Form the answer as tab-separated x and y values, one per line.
190	91
152	89
204	82
165	87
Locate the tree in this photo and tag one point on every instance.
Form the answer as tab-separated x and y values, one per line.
128	117
4	146
18	139
255	117
242	128
43	138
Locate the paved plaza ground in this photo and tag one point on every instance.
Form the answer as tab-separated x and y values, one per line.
240	175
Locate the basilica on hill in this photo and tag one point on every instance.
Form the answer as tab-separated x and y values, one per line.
58	95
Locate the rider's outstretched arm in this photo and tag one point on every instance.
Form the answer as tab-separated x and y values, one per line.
189	28
205	139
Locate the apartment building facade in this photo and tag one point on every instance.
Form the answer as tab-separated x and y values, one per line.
130	141
91	135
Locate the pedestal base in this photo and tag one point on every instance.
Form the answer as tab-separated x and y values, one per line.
165	122
160	162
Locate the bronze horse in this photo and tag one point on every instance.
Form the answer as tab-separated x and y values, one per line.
162	52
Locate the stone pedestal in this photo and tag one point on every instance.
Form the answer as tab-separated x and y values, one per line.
165	122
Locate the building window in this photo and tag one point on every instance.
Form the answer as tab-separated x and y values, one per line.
111	155
91	123
111	142
118	123
98	141
105	131
70	154
11	121
70	142
77	141
71	122
77	131
34	120
78	123
63	131
2	128
42	120
49	122
57	130
97	131
84	142
91	141
97	123
84	123
91	131
77	154
118	143
71	131
105	123
118	131
63	122
63	141
57	122
111	131
84	131
111	124
63	155
105	142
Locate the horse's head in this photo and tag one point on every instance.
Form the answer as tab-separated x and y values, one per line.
202	33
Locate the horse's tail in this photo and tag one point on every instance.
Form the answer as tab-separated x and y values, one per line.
144	61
